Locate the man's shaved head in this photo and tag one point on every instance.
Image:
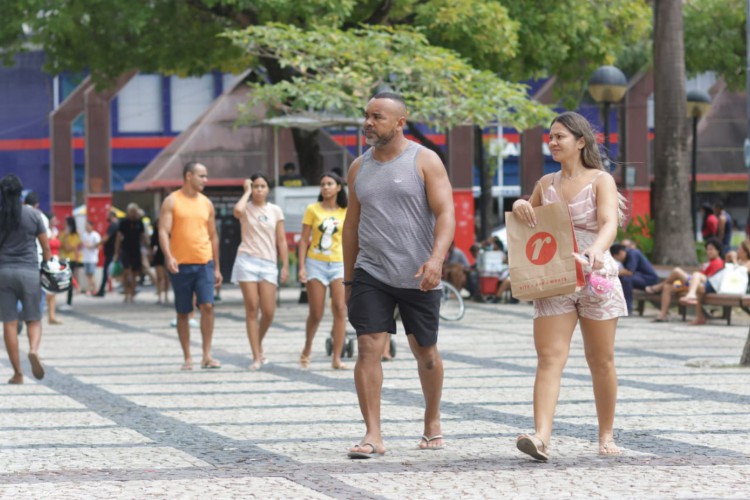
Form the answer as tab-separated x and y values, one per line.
396	98
385	119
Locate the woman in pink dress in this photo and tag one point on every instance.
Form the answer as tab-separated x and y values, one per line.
596	209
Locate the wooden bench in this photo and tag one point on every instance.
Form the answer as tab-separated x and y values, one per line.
723	300
641	297
727	302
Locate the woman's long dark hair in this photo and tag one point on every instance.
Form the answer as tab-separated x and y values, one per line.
10	203
72	226
342	199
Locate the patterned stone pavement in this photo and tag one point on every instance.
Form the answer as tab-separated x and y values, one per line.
115	418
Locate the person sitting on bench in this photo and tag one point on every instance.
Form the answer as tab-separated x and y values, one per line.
635	272
700	286
714	265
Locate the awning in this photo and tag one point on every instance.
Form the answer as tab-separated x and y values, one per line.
233	153
311	121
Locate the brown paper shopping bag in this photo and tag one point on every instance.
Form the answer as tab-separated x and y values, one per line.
541	258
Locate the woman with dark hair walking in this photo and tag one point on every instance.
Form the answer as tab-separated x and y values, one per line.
20	226
321	264
256	266
71	251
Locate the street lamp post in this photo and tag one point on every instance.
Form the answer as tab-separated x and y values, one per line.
698	104
607	85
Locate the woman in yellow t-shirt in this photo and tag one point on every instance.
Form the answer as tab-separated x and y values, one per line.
70	249
321	264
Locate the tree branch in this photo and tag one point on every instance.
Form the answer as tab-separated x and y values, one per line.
241	19
380	14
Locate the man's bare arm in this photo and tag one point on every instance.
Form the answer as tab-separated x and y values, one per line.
722	227
44	242
350	236
165	229
214	236
440	199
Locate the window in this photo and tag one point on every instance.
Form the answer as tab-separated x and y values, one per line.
190	98
139	105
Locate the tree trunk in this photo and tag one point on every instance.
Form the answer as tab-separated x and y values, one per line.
485	184
308	155
674	243
745	358
305	141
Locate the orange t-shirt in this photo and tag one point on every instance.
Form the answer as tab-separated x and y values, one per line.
189	241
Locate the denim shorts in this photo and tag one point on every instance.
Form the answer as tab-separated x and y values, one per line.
325	272
248	268
192	279
89	267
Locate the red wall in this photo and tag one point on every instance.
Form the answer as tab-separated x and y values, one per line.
463	200
639	201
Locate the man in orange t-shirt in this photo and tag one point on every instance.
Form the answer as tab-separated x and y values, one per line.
188	239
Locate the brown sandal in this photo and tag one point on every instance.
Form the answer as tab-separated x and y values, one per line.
532	446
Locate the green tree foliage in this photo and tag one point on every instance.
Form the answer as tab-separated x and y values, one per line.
338	70
454	52
481	31
571	38
111	37
715	39
517	39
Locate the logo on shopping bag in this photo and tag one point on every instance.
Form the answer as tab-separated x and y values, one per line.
541	248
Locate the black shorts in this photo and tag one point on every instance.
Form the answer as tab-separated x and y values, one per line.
158	259
373	303
131	260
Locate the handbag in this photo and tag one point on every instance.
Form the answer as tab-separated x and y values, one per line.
734	280
541	258
115	269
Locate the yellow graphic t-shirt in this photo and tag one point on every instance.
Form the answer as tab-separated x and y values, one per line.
327	226
73	242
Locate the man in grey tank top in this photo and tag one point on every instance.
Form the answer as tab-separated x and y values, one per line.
398	228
